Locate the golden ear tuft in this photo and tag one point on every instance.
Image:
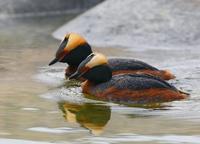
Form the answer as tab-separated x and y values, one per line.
74	40
67	35
98	59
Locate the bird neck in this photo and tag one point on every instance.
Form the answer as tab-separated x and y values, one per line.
99	74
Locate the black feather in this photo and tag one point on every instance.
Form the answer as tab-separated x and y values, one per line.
129	64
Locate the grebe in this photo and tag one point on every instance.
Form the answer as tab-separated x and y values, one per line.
125	88
74	49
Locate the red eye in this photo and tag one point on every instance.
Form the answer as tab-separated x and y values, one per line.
62	54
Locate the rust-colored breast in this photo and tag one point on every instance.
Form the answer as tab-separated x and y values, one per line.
70	70
153	95
87	87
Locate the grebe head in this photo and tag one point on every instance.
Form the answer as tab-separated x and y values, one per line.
94	68
72	50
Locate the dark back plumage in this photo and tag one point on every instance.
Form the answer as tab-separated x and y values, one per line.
128	64
134	82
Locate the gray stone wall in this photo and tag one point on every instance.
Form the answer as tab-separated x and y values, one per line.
139	24
38	6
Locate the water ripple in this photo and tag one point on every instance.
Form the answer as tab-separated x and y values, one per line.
122	138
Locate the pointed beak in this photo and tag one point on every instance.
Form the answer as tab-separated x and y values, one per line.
53	61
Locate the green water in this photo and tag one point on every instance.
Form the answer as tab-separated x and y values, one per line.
37	105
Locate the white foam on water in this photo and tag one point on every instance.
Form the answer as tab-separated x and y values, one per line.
51	75
72	95
59	130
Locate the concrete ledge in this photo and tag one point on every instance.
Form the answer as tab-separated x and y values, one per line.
139	24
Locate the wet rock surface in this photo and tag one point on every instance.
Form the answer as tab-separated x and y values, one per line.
139	24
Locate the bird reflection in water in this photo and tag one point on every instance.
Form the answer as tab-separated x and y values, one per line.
90	116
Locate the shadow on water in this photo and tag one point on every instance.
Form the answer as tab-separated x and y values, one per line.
90	116
95	116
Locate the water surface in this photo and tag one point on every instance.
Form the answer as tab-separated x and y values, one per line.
37	104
